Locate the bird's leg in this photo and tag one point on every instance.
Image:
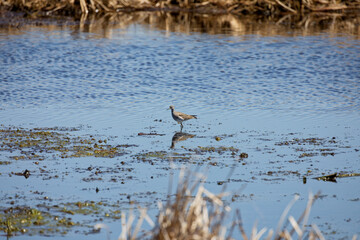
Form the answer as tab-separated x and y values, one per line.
181	127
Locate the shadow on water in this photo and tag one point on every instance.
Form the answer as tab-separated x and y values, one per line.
180	136
184	22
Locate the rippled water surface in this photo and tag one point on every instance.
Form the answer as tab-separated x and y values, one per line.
140	71
255	90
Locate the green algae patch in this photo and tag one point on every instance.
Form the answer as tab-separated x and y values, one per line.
25	220
308	141
154	156
200	150
311	147
332	177
34	144
90	208
5	162
198	156
54	220
307	155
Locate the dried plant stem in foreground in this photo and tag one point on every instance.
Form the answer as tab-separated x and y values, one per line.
196	213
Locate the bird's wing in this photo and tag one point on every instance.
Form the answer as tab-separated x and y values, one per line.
181	115
185	116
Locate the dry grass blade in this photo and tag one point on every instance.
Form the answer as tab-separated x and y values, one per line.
99	226
318	232
286	7
270	234
260	233
241	227
295	226
201	214
187	217
123	226
127	224
139	223
210	6
307	211
305	215
283	215
83	6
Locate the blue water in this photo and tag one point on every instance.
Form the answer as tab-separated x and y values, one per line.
255	90
144	71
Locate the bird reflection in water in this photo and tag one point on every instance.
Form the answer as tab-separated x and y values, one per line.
180	136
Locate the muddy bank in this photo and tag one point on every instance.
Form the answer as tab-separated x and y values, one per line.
204	6
186	22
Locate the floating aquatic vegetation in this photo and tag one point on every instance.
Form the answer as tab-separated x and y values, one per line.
5	162
162	156
307	155
198	156
244	155
332	177
15	220
307	141
219	150
311	147
99	209
25	173
34	144
150	134
50	220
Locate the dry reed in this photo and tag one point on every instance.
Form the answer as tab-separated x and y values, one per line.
196	213
71	7
184	22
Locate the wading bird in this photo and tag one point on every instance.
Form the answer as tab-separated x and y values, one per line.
179	117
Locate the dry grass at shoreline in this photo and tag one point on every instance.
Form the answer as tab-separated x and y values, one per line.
266	7
188	23
196	213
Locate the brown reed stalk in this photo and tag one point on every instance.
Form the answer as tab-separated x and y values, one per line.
196	213
232	6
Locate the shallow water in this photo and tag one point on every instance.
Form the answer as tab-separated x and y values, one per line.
253	90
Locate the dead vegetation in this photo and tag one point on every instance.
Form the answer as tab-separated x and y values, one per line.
103	24
266	7
196	213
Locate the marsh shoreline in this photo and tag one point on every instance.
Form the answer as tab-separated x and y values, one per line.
12	22
241	8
